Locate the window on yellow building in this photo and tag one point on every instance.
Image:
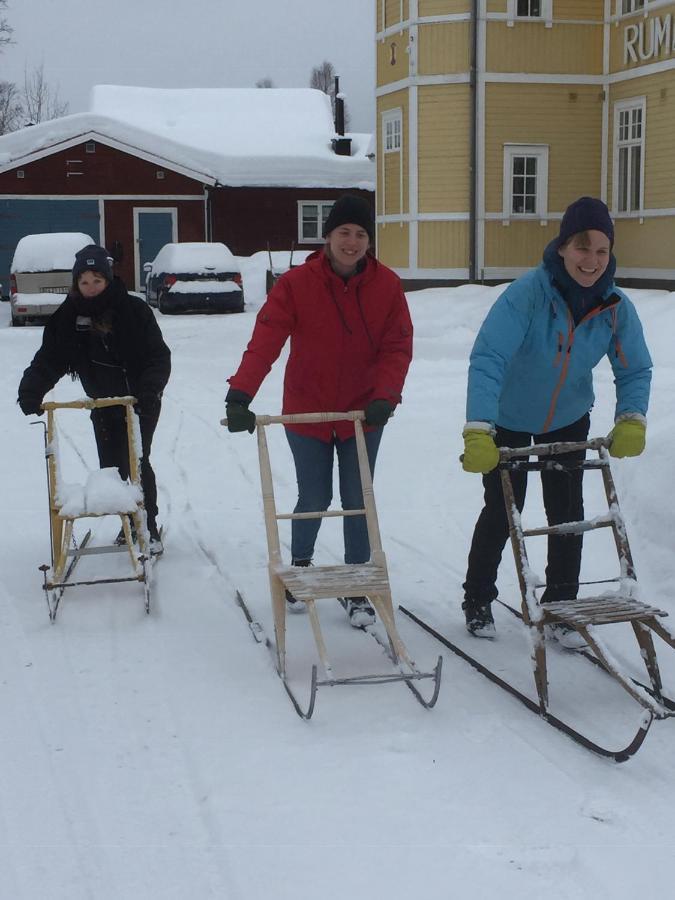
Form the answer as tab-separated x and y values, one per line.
629	6
525	180
392	130
529	9
629	132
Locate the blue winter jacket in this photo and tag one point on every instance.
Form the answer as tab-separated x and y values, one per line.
531	369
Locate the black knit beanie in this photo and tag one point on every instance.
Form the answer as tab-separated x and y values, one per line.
585	214
349	209
92	258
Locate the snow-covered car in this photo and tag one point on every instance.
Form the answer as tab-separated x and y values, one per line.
194	277
41	273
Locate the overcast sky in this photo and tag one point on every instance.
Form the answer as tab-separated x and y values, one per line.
194	43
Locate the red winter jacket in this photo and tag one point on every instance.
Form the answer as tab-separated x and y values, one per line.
351	342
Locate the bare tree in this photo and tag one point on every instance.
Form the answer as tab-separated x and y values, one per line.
11	110
323	79
5	28
265	82
40	101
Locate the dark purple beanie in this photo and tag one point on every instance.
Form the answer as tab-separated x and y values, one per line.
95	259
585	214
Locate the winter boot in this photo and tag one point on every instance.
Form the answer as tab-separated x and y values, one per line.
359	610
120	540
566	636
156	546
293	605
479	620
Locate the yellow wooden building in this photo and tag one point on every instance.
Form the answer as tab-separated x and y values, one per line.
493	115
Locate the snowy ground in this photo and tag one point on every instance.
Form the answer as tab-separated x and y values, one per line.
158	756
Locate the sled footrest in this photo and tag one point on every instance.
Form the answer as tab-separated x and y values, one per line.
598	611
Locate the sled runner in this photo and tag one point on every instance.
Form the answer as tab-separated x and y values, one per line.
618	606
313	583
108	497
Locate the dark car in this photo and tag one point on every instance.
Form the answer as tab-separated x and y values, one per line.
194	278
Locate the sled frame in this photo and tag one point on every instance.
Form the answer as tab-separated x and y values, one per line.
312	583
582	613
64	557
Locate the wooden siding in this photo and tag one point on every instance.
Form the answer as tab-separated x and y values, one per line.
443	157
496	6
566	118
517	244
392	58
531	47
646	245
389	198
659	89
444	7
106	171
392	244
443	48
392	13
443	245
246	219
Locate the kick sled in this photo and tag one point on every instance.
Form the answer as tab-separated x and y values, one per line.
104	494
584	615
313	583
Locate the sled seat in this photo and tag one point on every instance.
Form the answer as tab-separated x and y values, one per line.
314	582
598	611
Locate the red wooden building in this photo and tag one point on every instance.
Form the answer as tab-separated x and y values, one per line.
245	167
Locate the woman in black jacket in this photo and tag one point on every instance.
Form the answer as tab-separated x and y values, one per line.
110	341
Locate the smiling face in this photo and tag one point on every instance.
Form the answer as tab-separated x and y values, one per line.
586	256
346	244
91	284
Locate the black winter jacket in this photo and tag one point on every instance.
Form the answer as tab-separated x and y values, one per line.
134	342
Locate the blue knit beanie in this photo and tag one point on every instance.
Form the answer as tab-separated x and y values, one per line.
585	214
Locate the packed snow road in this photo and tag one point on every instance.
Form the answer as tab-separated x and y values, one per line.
158	756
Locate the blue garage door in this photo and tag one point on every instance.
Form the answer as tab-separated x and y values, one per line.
21	217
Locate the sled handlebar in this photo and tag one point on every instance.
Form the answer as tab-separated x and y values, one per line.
308	418
89	403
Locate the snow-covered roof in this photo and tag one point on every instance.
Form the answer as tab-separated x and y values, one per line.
230	136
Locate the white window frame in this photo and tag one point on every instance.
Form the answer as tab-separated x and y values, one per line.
540	151
392	136
546	13
321	204
625	106
630	7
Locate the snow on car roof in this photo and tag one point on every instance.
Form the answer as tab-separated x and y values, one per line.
48	252
195	257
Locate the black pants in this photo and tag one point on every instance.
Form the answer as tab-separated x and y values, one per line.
110	431
563	502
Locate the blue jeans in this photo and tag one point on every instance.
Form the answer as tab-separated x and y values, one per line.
314	471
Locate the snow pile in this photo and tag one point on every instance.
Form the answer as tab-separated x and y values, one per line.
48	252
204	287
104	493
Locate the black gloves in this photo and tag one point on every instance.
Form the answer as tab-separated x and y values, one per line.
239	416
30	405
378	412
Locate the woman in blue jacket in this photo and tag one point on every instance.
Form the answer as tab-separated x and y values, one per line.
531	379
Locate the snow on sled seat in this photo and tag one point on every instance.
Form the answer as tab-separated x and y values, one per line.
103	494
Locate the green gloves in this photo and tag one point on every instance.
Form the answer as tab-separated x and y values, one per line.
481	454
239	416
628	437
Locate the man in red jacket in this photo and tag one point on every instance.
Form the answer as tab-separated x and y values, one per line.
351	346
